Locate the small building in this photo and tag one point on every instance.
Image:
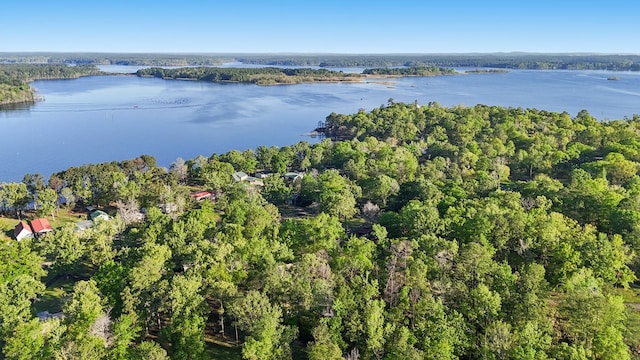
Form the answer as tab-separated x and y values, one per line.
293	176
201	195
22	230
83	225
255	181
239	176
168	208
41	226
242	176
99	215
262	175
46	315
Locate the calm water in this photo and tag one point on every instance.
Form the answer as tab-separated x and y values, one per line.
99	119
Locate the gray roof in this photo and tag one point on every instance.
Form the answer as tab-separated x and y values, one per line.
99	214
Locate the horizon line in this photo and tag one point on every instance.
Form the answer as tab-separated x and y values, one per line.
282	53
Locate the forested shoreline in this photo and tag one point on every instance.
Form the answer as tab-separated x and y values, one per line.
24	67
16	94
15	78
424	232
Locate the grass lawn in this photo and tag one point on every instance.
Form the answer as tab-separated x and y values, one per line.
54	296
63	217
291	211
215	350
632	337
6	227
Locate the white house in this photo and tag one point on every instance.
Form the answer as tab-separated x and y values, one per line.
22	230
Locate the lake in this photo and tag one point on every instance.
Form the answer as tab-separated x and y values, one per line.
113	118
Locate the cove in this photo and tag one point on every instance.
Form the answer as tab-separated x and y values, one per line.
113	118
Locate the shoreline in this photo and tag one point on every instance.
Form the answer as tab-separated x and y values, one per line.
366	78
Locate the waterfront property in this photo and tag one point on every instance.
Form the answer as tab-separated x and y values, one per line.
22	230
293	176
168	208
36	227
98	215
83	225
201	195
41	226
242	176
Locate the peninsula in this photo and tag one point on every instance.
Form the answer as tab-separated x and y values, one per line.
15	78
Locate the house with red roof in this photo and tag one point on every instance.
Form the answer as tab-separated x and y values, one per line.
201	195
22	230
41	226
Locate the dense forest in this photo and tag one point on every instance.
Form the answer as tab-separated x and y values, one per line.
17	74
260	76
426	232
15	78
14	94
494	60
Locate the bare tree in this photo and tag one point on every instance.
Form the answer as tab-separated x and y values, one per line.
179	168
354	354
101	328
370	211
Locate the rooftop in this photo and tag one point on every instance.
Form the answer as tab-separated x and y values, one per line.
41	225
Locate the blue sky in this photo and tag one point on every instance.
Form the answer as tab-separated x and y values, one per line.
326	26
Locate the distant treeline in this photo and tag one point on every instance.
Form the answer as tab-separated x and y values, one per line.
114	59
506	61
494	60
260	76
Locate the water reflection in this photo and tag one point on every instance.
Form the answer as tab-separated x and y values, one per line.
107	118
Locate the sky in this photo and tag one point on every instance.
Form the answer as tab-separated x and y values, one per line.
325	26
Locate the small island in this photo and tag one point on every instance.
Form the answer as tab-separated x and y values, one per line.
486	71
276	76
410	71
613	78
258	76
